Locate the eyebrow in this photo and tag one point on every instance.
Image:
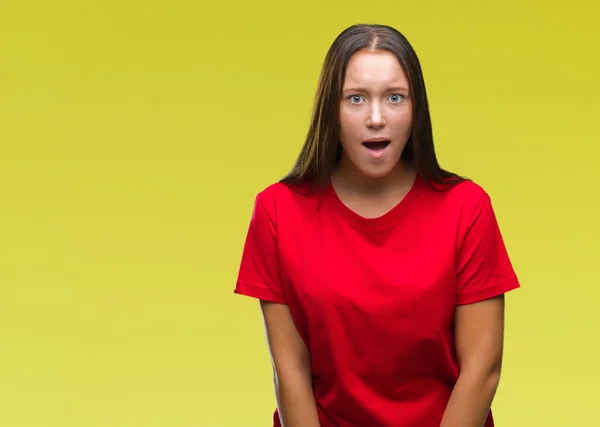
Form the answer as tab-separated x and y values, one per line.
390	89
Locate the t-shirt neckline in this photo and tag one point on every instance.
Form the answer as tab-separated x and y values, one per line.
387	219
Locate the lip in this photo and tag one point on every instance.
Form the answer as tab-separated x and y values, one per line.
377	139
376	154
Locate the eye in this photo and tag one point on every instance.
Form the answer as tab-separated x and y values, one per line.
353	99
395	98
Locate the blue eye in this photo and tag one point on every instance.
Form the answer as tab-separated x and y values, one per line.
356	99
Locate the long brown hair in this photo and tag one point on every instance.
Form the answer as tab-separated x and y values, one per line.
322	150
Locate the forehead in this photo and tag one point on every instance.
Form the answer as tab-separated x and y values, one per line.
374	68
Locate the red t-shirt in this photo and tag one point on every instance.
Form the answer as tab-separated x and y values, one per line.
374	298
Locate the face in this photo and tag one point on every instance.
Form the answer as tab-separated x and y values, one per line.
375	104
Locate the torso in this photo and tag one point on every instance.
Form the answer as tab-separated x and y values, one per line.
374	300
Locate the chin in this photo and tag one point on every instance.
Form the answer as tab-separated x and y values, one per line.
370	168
376	172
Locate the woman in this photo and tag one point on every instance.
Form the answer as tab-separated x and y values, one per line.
381	277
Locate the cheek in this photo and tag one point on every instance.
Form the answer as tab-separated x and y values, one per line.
350	125
402	124
401	117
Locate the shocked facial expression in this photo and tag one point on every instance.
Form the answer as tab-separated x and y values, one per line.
375	113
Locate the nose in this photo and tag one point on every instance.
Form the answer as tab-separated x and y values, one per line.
376	118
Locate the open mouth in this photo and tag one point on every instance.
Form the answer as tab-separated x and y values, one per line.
376	149
376	145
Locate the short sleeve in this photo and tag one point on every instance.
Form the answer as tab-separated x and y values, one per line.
259	273
484	269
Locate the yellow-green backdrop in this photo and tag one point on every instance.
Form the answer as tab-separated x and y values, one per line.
135	134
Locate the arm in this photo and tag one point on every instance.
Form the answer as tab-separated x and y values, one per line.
479	343
291	368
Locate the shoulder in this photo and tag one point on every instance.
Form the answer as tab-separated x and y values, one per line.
463	197
464	208
467	192
279	197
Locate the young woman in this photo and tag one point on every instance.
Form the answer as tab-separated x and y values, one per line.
381	277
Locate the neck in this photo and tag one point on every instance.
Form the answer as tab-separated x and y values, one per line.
351	180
